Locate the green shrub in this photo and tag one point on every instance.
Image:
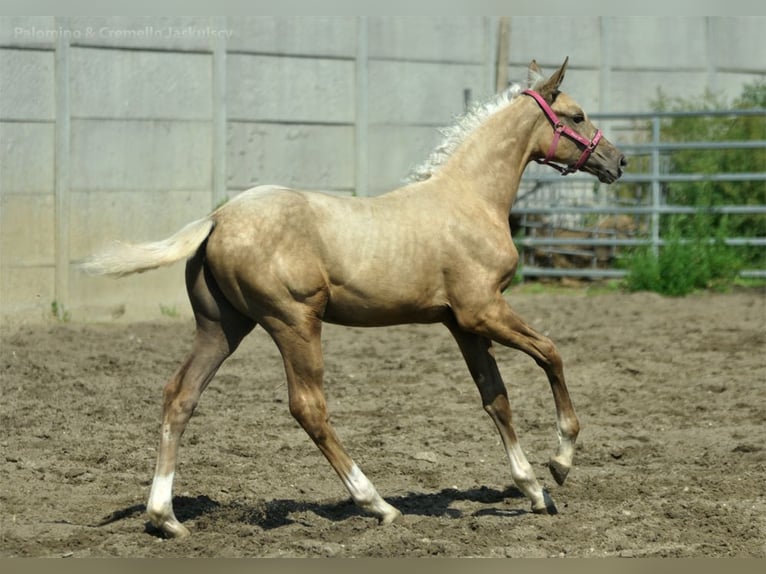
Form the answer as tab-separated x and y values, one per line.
708	194
685	263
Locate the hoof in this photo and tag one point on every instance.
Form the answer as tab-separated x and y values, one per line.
172	529
390	517
559	471
549	508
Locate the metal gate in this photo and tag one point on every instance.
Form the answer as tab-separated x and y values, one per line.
575	227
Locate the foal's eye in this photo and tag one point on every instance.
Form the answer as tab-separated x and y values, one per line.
578	118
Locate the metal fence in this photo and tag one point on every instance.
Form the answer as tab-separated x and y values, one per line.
575	227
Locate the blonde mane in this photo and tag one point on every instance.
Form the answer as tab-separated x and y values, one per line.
457	133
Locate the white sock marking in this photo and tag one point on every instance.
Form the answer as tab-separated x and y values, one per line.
366	496
360	487
161	494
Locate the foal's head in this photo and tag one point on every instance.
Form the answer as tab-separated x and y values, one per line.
564	133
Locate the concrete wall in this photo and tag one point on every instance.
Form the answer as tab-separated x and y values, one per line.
119	127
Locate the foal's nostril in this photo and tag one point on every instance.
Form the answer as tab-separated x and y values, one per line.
623	161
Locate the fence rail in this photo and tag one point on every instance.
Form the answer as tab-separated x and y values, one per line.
562	240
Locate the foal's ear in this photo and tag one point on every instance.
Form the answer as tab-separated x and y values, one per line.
558	77
534	75
550	88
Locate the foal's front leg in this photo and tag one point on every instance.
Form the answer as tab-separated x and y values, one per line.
480	359
497	321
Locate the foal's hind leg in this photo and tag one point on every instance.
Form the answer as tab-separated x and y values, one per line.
219	330
300	346
480	359
497	321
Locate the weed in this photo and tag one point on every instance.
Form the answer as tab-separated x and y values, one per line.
59	312
169	311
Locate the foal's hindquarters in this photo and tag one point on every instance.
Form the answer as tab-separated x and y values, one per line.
219	330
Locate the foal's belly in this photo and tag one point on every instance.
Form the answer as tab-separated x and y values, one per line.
357	317
355	309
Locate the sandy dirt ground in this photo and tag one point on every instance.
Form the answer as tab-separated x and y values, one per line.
671	461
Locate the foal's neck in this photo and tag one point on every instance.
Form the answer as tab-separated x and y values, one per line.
489	164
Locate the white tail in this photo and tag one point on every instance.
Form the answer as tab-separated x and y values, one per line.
126	258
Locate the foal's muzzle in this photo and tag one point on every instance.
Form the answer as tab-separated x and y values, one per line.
609	174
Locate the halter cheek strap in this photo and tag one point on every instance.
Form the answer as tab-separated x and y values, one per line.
558	129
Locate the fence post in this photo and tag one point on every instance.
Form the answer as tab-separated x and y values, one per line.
655	185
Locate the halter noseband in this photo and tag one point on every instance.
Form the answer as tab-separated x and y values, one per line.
558	129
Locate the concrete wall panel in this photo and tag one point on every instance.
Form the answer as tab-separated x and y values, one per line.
394	151
739	43
290	89
551	39
140	155
27	157
98	218
418	93
26	292
28	91
304	156
27	229
140	84
332	36
28	31
658	42
438	39
635	91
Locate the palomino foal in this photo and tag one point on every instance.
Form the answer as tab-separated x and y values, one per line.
436	250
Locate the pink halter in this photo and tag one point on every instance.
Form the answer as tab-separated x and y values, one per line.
558	129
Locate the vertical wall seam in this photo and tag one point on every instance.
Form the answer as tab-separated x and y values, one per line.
712	69
220	46
490	53
362	117
605	66
62	167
